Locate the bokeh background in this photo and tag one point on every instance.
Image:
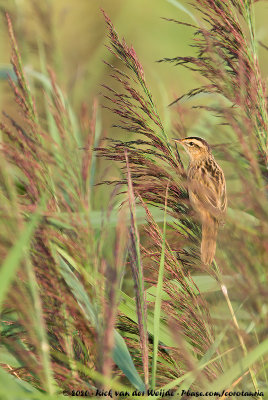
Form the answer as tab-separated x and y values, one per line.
70	37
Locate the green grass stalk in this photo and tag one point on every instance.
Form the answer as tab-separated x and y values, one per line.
240	337
158	300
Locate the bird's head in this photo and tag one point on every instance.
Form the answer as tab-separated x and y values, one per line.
196	147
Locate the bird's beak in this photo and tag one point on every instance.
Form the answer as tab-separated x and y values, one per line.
178	140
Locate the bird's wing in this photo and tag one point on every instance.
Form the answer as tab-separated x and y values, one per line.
207	191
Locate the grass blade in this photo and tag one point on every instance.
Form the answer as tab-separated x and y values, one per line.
121	354
138	277
158	300
181	7
226	379
124	361
15	255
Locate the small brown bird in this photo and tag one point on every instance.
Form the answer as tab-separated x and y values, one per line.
207	192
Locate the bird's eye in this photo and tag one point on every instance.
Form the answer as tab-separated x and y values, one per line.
191	143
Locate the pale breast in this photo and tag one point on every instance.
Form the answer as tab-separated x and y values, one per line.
207	188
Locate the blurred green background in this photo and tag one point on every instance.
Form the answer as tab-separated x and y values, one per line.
72	36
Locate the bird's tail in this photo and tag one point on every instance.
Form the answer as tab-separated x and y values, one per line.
209	237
